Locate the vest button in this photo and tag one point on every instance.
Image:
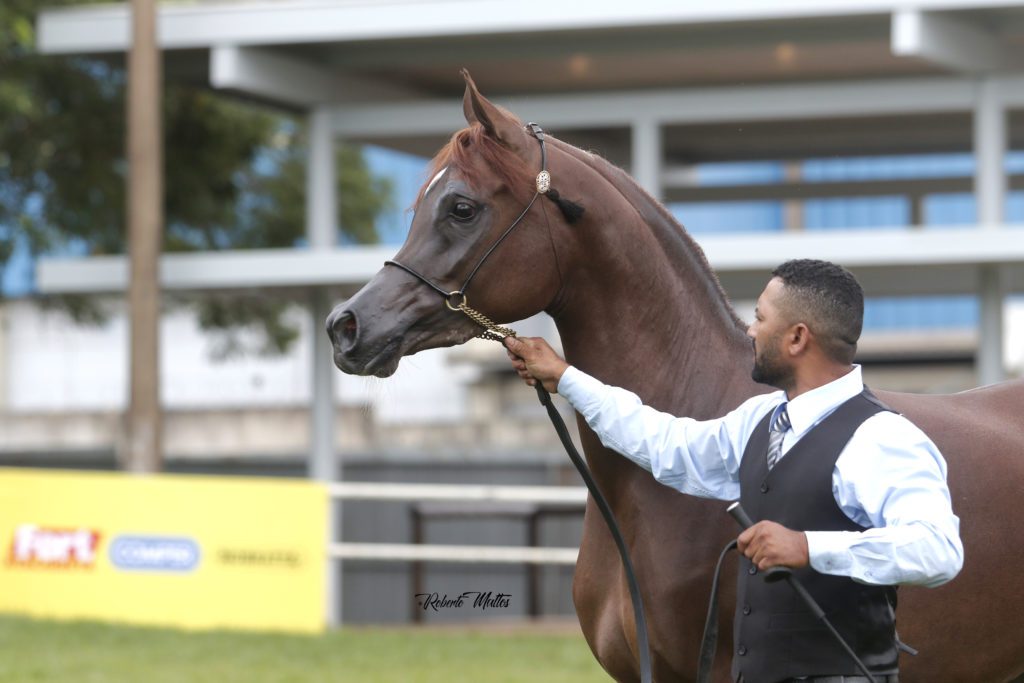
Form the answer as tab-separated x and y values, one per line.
752	570
746	609
764	488
742	650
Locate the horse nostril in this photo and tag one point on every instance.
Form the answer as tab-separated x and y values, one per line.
346	330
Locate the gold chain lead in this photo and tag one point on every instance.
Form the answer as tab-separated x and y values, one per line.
492	330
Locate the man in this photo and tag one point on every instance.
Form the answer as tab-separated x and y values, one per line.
850	495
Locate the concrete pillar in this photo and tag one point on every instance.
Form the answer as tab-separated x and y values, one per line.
321	193
322	231
647	155
990	326
323	463
989	152
916	211
793	209
990	182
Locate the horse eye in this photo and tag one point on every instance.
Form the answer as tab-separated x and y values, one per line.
463	211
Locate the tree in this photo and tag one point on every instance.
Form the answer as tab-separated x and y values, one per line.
234	172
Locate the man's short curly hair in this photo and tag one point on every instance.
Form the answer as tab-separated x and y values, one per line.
829	300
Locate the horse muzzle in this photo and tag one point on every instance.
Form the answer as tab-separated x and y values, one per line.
388	319
357	356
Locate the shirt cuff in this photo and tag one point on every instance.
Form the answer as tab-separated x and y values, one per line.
829	551
579	388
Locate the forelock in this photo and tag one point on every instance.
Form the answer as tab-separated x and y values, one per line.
471	152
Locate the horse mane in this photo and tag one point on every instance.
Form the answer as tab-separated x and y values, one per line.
673	235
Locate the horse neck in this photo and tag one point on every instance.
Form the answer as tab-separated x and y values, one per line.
644	311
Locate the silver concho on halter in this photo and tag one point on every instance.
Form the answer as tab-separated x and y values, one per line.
543	182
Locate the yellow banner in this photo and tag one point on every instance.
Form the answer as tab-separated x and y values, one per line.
183	551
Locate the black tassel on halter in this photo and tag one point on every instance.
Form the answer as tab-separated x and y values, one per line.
570	209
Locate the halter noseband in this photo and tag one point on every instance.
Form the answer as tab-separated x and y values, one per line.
456	300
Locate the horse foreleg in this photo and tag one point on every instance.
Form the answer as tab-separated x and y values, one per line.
599	604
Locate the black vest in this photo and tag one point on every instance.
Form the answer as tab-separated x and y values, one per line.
775	635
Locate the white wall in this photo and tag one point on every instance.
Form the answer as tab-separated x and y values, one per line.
52	364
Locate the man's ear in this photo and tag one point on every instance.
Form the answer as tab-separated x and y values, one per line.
799	339
497	122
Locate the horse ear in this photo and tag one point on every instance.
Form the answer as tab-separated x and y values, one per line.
499	124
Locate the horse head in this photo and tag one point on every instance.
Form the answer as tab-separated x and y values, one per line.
481	184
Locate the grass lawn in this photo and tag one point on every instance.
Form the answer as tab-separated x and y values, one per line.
88	652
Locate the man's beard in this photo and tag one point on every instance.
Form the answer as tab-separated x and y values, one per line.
769	368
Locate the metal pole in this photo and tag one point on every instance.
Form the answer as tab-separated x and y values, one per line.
990	326
533	570
321	229
990	183
793	209
323	465
989	152
321	182
416	568
647	155
142	445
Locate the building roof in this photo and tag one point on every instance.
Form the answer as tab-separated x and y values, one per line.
411	49
733	79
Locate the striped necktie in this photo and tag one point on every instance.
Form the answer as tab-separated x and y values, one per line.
780	425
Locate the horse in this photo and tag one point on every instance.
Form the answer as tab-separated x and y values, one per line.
637	305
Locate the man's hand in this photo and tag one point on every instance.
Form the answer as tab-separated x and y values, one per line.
768	544
535	361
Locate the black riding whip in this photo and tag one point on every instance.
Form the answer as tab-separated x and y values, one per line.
786	574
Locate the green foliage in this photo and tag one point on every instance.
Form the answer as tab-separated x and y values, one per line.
234	174
366	196
279	198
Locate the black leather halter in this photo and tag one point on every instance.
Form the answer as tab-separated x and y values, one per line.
456	300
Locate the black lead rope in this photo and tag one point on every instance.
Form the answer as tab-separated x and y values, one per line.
709	643
606	512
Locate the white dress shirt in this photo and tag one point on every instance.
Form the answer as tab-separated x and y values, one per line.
890	477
